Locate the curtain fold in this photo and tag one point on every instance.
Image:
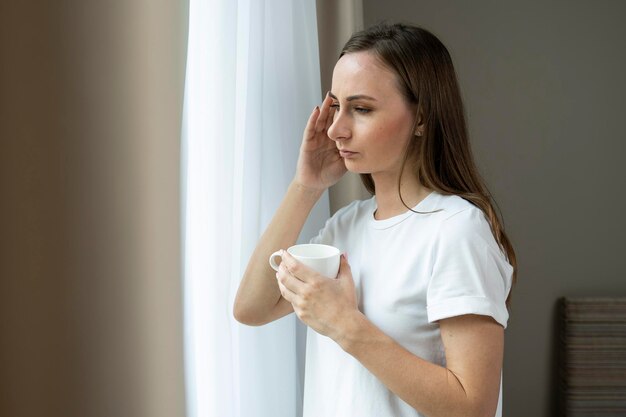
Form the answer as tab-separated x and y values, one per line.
252	81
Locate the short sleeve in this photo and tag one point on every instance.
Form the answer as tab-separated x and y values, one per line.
470	273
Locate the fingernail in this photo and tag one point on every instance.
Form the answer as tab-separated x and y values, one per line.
316	108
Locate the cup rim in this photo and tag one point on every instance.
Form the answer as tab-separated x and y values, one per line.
336	251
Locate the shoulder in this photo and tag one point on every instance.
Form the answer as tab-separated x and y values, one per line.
464	228
462	220
457	211
452	205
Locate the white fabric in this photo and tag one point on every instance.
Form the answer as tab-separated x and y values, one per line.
252	80
410	271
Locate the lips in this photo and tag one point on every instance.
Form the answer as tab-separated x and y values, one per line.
345	153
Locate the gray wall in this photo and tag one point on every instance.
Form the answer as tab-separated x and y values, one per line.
545	93
90	284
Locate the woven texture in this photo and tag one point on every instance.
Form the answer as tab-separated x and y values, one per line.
593	363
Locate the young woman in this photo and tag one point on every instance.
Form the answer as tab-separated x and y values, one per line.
414	323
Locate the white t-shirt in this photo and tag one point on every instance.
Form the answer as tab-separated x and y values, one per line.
410	271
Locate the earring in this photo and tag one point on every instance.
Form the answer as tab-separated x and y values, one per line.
418	133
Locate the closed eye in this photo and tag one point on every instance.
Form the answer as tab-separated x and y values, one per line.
361	110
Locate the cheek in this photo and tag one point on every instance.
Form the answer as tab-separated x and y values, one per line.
402	124
392	133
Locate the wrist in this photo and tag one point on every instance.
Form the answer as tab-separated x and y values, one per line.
306	190
354	331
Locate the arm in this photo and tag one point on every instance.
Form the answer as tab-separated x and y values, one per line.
469	384
258	299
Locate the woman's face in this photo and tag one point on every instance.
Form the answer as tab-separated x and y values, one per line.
372	118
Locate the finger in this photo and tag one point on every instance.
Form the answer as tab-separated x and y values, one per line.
288	280
298	269
286	293
320	125
330	118
344	266
309	129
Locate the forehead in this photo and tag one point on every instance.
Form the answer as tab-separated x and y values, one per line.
362	73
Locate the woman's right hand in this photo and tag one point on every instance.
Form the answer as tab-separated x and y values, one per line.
319	164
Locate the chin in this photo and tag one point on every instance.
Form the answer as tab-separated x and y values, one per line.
354	167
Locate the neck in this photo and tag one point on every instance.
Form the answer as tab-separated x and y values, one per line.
387	198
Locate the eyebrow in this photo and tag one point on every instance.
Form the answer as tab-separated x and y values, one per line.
354	97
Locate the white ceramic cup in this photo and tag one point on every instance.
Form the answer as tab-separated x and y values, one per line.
324	259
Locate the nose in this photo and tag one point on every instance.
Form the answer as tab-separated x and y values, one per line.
340	127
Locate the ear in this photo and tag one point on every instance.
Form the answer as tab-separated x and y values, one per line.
419	124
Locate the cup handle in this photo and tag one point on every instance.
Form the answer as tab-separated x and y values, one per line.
272	262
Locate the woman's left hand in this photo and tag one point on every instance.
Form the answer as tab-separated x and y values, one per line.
324	304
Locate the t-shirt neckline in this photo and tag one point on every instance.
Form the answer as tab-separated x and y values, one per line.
423	205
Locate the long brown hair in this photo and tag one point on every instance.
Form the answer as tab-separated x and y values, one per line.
427	79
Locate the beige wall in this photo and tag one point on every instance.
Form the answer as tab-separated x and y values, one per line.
336	21
544	87
90	264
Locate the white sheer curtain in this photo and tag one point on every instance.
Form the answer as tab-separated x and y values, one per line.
252	80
